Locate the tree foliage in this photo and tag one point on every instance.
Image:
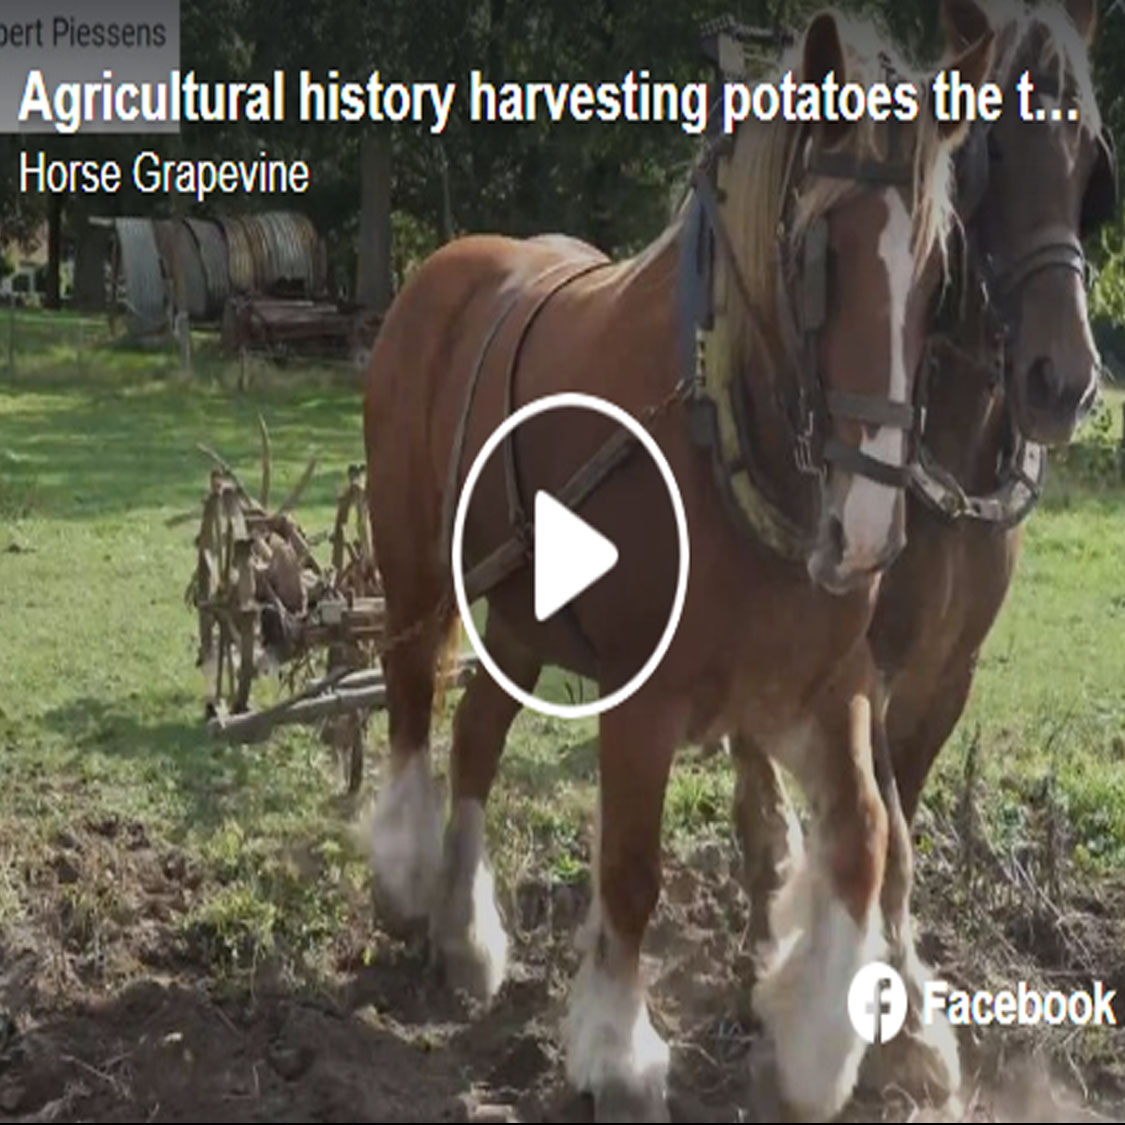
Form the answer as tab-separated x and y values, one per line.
609	183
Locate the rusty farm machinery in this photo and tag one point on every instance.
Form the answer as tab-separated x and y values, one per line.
266	605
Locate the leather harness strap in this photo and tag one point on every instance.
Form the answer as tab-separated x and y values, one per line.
517	507
521	527
453	484
1053	247
870	410
517	551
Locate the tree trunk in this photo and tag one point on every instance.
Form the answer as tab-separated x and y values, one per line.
497	9
53	298
374	287
446	226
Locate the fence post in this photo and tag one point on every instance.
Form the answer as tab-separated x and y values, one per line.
182	331
1121	447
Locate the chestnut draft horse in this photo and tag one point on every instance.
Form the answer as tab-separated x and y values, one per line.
854	218
1014	369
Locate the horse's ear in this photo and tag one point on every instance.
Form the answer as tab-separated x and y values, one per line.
823	55
974	64
1084	14
963	22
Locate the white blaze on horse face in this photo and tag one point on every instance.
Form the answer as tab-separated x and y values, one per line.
869	507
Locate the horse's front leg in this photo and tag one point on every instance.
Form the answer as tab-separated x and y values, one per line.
826	921
923	1058
613	1051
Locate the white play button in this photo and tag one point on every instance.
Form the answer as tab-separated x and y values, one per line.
570	556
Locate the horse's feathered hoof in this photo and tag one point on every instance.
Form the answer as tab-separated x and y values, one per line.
471	969
922	1062
766	1103
618	1102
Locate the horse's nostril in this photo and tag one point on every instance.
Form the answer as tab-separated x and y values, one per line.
1041	382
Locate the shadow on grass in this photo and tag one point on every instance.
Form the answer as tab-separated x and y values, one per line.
216	779
540	774
86	451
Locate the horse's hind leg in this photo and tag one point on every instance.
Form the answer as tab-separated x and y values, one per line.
826	920
466	930
613	1051
766	824
405	825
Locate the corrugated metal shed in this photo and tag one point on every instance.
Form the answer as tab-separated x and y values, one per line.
140	271
288	254
191	284
163	232
183	263
239	256
258	241
216	266
196	265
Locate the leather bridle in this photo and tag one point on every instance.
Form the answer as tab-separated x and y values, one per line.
1051	248
809	408
1001	280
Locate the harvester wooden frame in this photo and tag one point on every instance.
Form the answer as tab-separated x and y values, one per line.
264	601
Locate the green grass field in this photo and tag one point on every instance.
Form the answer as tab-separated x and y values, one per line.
101	730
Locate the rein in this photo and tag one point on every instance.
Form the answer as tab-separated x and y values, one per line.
806	405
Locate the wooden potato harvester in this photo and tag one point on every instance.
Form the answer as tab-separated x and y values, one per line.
265	604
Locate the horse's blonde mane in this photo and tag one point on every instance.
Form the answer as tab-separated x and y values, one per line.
1061	49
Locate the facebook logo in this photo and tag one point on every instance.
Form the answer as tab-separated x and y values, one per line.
877	1002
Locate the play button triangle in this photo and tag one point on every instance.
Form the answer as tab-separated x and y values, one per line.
570	556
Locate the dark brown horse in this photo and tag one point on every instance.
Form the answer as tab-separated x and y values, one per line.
1014	364
768	641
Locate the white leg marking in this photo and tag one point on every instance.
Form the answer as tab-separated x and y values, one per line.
790	750
465	926
770	833
939	1059
802	994
923	1059
869	507
405	840
612	1047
